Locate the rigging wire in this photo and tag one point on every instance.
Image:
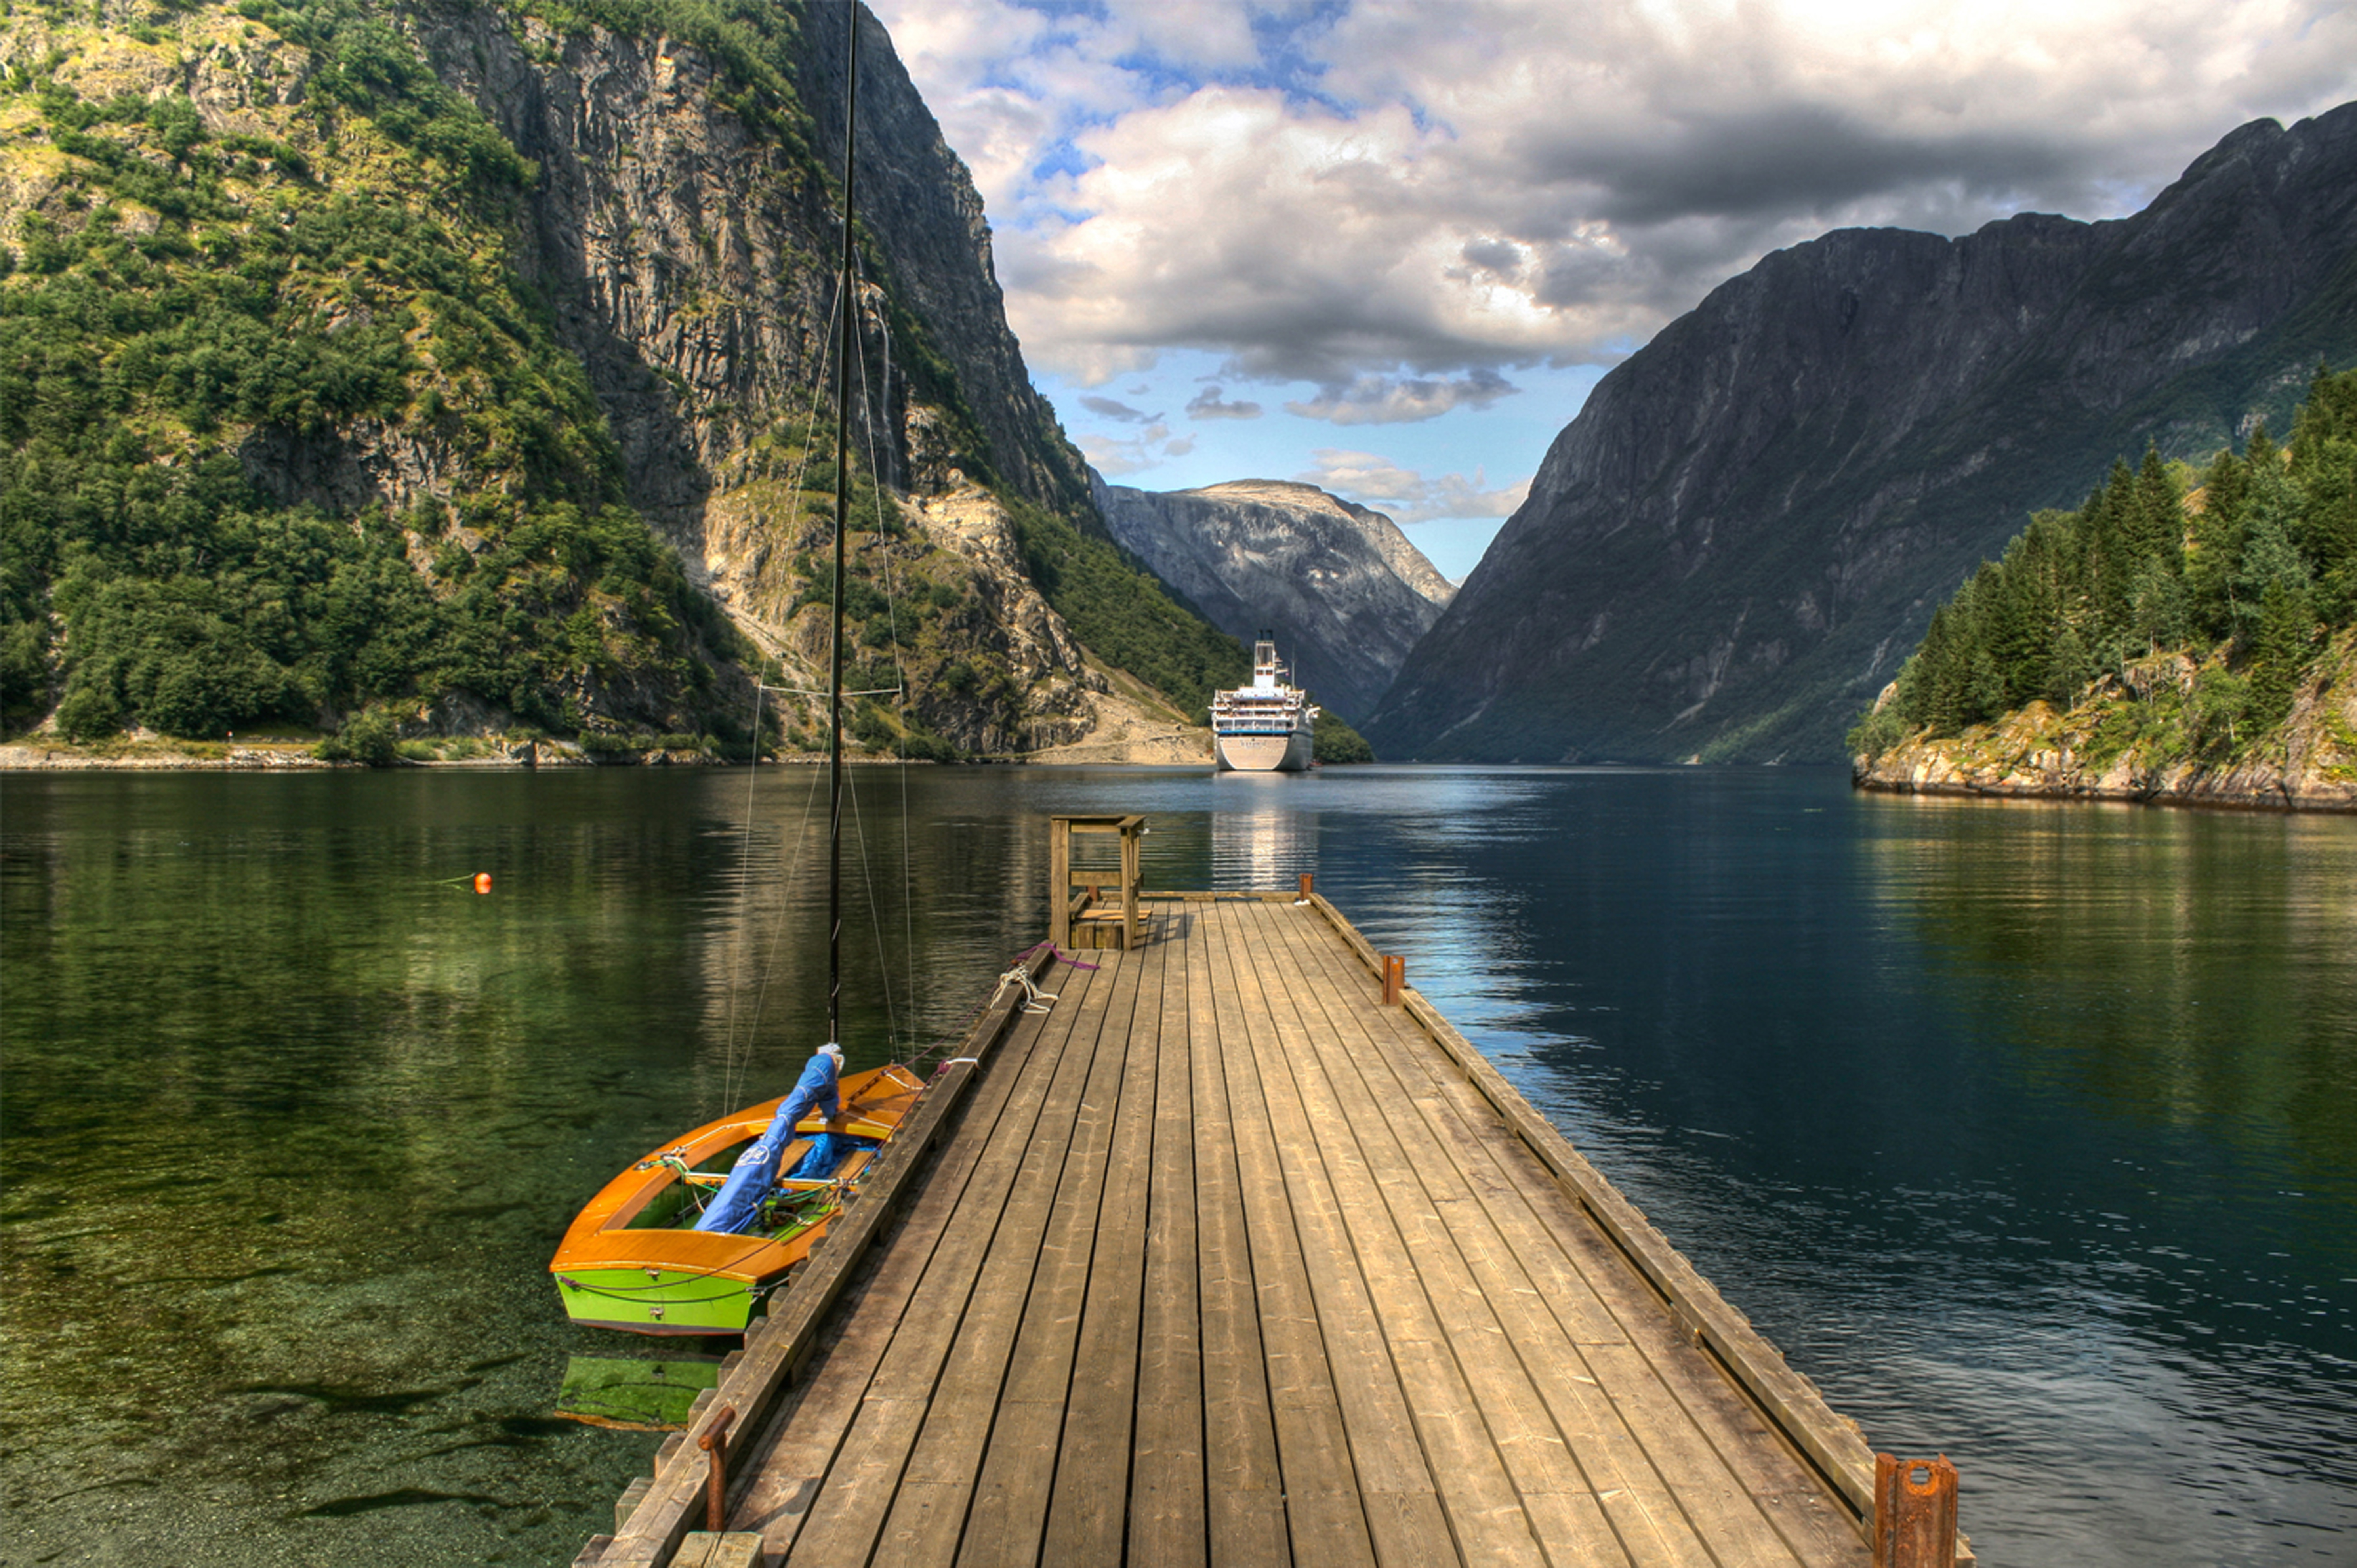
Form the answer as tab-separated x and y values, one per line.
881	397
736	1056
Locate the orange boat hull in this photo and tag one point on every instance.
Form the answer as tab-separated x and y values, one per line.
614	1271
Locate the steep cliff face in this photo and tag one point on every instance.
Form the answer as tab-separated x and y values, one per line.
1341	587
1746	529
591	266
690	249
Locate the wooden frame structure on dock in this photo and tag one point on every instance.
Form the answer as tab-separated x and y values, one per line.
1221	1261
1064	912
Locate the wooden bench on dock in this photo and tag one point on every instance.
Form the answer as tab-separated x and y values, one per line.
1222	1260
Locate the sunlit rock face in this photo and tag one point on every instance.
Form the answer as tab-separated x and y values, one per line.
1344	592
1746	528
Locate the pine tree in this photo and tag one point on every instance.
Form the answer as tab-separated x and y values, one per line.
2279	648
2156	517
2217	548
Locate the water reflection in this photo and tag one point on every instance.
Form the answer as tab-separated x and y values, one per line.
2027	1132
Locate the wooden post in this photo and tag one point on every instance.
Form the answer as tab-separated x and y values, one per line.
714	1441
1306	881
1914	1525
1059	881
1131	878
1394	978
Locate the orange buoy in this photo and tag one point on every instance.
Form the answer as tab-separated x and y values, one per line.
482	882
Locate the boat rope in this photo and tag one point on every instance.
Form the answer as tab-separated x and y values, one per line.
1034	999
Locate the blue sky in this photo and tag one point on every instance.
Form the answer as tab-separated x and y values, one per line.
1402	239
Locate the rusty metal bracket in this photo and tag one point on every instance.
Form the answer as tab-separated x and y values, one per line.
1914	1522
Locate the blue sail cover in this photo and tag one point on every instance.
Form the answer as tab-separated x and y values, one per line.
756	1171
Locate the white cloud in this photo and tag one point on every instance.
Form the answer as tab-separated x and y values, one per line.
1406	495
1392	192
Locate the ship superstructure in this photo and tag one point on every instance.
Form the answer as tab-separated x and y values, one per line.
1264	727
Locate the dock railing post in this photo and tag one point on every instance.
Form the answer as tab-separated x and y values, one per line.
1059	881
714	1441
1914	1523
1394	978
1307	882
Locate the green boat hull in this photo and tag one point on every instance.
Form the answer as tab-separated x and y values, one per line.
657	1302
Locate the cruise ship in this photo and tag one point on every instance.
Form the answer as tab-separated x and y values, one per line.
1264	727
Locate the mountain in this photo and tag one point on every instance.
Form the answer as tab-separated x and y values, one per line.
1343	590
463	361
1746	528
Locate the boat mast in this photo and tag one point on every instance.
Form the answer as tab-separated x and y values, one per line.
847	306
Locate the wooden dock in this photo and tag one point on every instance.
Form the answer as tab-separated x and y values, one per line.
1219	1259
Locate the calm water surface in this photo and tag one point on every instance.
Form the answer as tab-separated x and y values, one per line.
2029	1132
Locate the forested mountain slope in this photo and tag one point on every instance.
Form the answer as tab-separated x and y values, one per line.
1731	549
2182	636
461	359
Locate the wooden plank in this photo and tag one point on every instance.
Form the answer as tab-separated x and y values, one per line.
1644	1414
1490	1282
1321	1481
754	1388
1700	1447
1791	1400
1015	1484
1245	1509
954	1307
1087	1511
1002	1522
1617	1456
1468	1432
785	1466
1169	1509
914	1317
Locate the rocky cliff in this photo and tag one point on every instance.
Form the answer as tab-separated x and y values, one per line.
1341	587
586	255
1746	528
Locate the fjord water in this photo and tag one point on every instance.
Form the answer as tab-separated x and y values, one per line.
2029	1132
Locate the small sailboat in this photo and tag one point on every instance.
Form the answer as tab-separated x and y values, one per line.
692	1237
634	1258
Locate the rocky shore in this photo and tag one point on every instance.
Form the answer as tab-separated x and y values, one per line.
2128	741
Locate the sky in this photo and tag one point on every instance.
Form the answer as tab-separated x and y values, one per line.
1386	247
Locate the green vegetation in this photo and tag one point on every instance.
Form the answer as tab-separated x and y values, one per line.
190	313
287	438
1124	613
1333	740
2241	584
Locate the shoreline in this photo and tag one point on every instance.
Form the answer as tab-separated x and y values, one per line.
30	758
2282	800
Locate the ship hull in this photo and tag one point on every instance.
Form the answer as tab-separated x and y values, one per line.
1266	753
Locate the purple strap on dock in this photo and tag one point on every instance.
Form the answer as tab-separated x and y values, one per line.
1059	952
